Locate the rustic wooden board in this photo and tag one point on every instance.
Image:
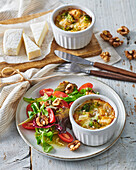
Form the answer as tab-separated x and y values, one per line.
92	49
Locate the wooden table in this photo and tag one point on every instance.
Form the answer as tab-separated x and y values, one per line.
15	154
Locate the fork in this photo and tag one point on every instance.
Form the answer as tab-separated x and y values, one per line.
67	67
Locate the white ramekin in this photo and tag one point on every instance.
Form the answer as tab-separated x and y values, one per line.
93	137
72	40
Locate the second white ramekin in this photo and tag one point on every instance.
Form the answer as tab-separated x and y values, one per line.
72	40
93	137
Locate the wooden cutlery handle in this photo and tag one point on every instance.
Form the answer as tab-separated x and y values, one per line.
114	69
114	76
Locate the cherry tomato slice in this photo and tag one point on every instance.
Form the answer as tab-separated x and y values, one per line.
28	126
49	92
70	104
51	115
66	137
63	104
59	94
28	108
86	85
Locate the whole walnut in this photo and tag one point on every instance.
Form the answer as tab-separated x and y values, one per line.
105	56
106	35
130	54
115	42
123	30
74	145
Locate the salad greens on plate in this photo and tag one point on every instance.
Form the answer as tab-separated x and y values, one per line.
48	115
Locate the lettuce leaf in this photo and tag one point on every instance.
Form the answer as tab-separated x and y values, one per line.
41	135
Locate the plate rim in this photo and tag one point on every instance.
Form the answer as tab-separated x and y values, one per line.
78	158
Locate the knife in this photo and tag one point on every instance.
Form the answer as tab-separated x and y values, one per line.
75	59
75	68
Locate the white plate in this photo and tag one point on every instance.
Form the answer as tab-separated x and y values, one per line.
63	153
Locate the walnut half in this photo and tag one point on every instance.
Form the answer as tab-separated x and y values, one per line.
115	42
57	102
42	120
74	145
106	35
130	54
123	30
105	56
69	88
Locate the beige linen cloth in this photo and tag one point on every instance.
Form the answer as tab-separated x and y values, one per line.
17	8
11	94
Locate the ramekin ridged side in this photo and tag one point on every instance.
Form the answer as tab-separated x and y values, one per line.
72	40
93	137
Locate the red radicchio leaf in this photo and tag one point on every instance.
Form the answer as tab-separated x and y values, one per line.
57	126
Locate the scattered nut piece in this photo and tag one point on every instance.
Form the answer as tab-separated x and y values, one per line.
115	42
46	103
56	102
75	13
64	82
74	145
42	120
105	56
123	30
130	54
62	86
69	88
106	35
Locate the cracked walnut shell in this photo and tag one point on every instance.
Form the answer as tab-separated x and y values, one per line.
74	145
130	54
115	42
123	30
106	35
105	56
